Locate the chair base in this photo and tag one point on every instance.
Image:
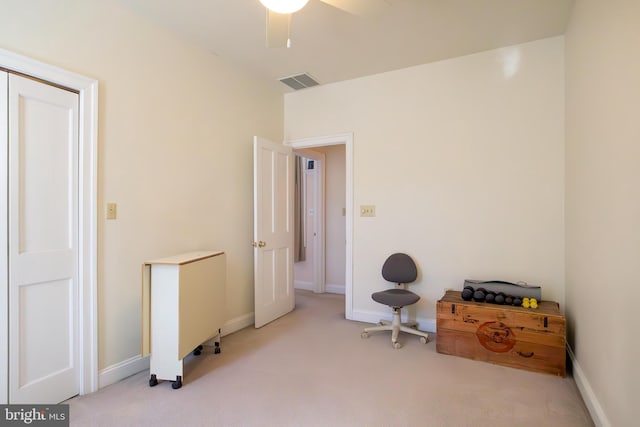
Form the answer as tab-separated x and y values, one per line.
395	326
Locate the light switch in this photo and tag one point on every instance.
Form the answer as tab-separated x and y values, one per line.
367	210
112	210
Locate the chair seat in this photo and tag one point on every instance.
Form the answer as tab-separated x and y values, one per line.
396	297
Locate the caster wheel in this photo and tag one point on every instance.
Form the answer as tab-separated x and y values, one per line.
177	383
217	349
364	335
153	381
397	345
424	340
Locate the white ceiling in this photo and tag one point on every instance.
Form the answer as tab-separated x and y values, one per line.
332	45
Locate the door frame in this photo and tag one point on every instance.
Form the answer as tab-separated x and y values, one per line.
318	260
345	139
4	239
88	211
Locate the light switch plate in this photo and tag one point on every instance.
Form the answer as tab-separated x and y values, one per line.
112	210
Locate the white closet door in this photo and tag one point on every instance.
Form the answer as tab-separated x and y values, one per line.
4	242
43	242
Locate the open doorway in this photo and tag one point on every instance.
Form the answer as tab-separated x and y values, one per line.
309	212
326	212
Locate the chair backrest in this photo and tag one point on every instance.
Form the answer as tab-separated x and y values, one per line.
399	268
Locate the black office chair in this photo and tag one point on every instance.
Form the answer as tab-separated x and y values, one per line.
398	268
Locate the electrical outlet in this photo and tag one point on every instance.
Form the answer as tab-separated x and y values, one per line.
112	210
367	210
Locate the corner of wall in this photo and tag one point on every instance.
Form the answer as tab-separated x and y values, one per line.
591	401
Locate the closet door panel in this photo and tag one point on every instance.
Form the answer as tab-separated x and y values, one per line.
43	242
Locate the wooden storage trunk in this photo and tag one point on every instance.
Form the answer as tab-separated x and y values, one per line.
532	339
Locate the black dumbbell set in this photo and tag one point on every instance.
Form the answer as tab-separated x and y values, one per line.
482	295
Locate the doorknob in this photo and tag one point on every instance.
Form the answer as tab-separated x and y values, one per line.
259	244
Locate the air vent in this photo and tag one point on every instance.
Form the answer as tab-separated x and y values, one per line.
300	81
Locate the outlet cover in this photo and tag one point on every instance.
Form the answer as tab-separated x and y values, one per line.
367	210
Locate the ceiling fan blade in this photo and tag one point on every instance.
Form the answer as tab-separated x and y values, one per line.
360	7
278	25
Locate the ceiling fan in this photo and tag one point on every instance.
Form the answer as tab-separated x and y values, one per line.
279	15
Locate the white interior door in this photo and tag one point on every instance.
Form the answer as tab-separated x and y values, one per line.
43	242
273	230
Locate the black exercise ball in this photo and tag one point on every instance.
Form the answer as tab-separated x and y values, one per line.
478	296
467	294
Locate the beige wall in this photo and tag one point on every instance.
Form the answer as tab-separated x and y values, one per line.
175	135
464	160
603	204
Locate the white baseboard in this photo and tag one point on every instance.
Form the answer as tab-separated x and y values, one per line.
238	323
329	288
369	316
119	371
428	325
305	286
114	373
424	324
334	289
593	405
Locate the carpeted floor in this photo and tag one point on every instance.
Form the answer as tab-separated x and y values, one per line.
311	368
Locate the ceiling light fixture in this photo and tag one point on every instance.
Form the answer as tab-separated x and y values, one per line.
284	6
